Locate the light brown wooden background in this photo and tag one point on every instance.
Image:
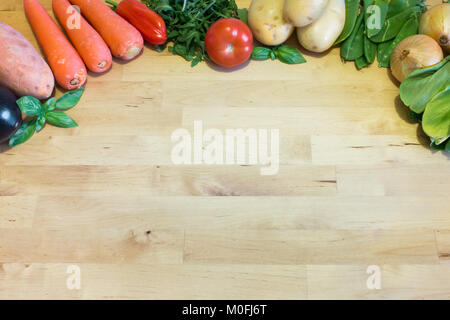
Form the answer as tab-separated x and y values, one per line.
357	186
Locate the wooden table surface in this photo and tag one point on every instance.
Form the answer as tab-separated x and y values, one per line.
357	186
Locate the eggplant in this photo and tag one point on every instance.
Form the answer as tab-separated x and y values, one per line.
10	114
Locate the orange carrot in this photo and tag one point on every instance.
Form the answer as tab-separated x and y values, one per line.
123	39
67	66
87	41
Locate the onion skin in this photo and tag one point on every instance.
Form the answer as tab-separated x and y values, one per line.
418	51
436	23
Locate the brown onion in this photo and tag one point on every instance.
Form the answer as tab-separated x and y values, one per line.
418	51
436	24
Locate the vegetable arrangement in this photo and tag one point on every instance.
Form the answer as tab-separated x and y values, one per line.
48	112
66	64
188	22
91	47
373	28
122	38
217	31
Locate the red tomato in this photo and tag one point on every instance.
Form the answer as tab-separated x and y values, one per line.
229	42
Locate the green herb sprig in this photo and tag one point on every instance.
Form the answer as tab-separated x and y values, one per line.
284	53
426	91
188	21
48	112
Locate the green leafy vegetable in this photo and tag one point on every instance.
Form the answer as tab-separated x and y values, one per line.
242	15
284	53
188	21
415	116
436	118
69	99
60	119
30	106
261	53
24	133
423	84
44	113
49	104
289	55
41	120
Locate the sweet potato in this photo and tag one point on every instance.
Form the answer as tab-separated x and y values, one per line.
22	69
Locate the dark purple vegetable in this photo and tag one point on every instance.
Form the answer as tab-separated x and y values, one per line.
10	114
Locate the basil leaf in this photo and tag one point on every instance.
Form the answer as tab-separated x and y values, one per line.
40	122
24	133
423	84
49	104
273	55
243	15
30	106
289	55
60	119
261	53
436	118
69	99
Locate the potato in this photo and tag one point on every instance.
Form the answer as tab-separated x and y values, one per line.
22	69
320	35
265	18
303	12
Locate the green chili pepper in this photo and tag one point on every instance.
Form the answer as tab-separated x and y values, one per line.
376	19
370	50
352	48
410	28
351	14
361	62
393	25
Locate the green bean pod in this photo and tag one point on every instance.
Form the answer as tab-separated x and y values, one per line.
398	6
352	48
361	62
351	14
370	50
376	19
393	25
366	5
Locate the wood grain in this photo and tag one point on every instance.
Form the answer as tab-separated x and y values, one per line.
357	186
